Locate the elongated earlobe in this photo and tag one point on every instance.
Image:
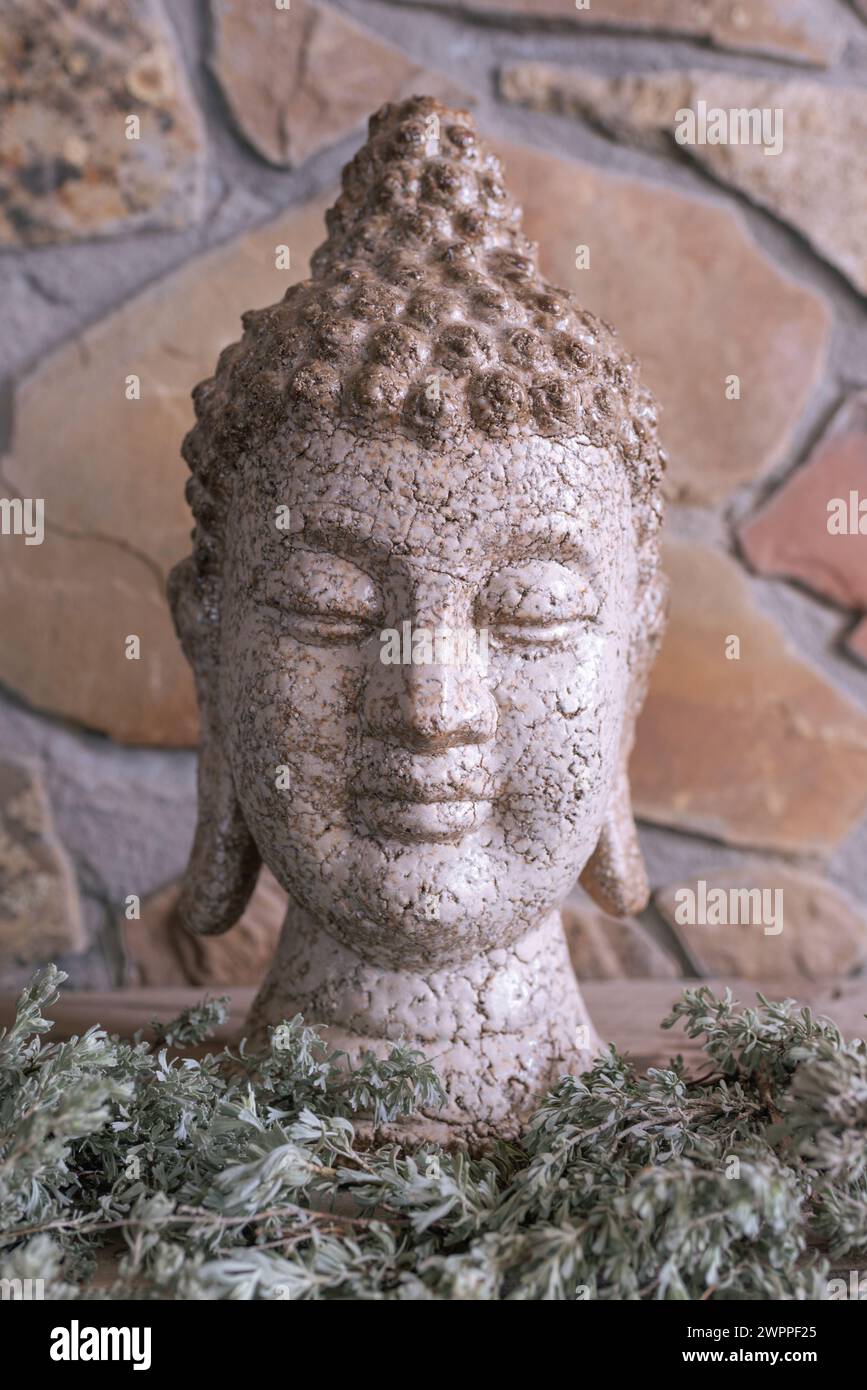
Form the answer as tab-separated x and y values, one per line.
224	861
614	875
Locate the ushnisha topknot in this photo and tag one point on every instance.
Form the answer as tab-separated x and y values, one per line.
425	314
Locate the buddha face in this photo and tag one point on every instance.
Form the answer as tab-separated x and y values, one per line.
422	682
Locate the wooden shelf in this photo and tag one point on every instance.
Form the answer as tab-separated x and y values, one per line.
625	1012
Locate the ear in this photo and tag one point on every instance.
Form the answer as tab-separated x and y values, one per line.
614	875
224	861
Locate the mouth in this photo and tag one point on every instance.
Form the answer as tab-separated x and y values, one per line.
423	819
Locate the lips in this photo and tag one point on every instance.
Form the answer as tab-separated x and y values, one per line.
459	775
437	820
425	798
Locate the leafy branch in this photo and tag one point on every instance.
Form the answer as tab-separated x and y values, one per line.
242	1175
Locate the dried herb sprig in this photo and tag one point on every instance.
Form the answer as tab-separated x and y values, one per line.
240	1176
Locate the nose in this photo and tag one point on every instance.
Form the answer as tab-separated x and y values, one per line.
432	706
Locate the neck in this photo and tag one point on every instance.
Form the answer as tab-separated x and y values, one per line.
500	1030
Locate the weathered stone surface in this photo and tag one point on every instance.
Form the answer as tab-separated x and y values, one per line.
110	472
760	750
793	29
160	952
125	815
40	911
70	75
790	536
427	824
695	299
608	948
112	478
300	79
93	593
803	926
812	182
857	641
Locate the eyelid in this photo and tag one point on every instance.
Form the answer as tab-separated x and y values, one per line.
528	634
326	631
331	609
541	595
325	587
504	618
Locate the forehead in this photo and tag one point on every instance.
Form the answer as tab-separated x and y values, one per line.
484	500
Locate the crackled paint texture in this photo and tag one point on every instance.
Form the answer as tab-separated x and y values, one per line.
424	432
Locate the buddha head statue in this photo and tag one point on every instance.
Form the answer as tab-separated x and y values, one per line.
421	607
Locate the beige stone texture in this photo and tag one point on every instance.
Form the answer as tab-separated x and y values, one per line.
70	77
160	952
301	78
795	155
40	911
611	948
760	750
802	926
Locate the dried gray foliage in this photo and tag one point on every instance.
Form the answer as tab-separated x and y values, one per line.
242	1177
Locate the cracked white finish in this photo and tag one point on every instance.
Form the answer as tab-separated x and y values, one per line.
427	820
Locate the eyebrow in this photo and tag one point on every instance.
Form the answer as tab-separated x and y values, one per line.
332	532
556	537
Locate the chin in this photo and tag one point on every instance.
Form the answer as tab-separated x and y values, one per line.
422	905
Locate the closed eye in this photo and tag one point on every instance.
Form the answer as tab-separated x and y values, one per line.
326	629
529	634
324	599
542	601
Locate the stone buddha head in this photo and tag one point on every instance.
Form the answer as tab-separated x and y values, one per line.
421	607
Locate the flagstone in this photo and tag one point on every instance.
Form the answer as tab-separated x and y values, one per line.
740	739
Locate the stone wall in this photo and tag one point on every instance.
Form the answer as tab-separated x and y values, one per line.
154	163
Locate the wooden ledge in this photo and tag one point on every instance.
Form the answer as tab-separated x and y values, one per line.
625	1012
